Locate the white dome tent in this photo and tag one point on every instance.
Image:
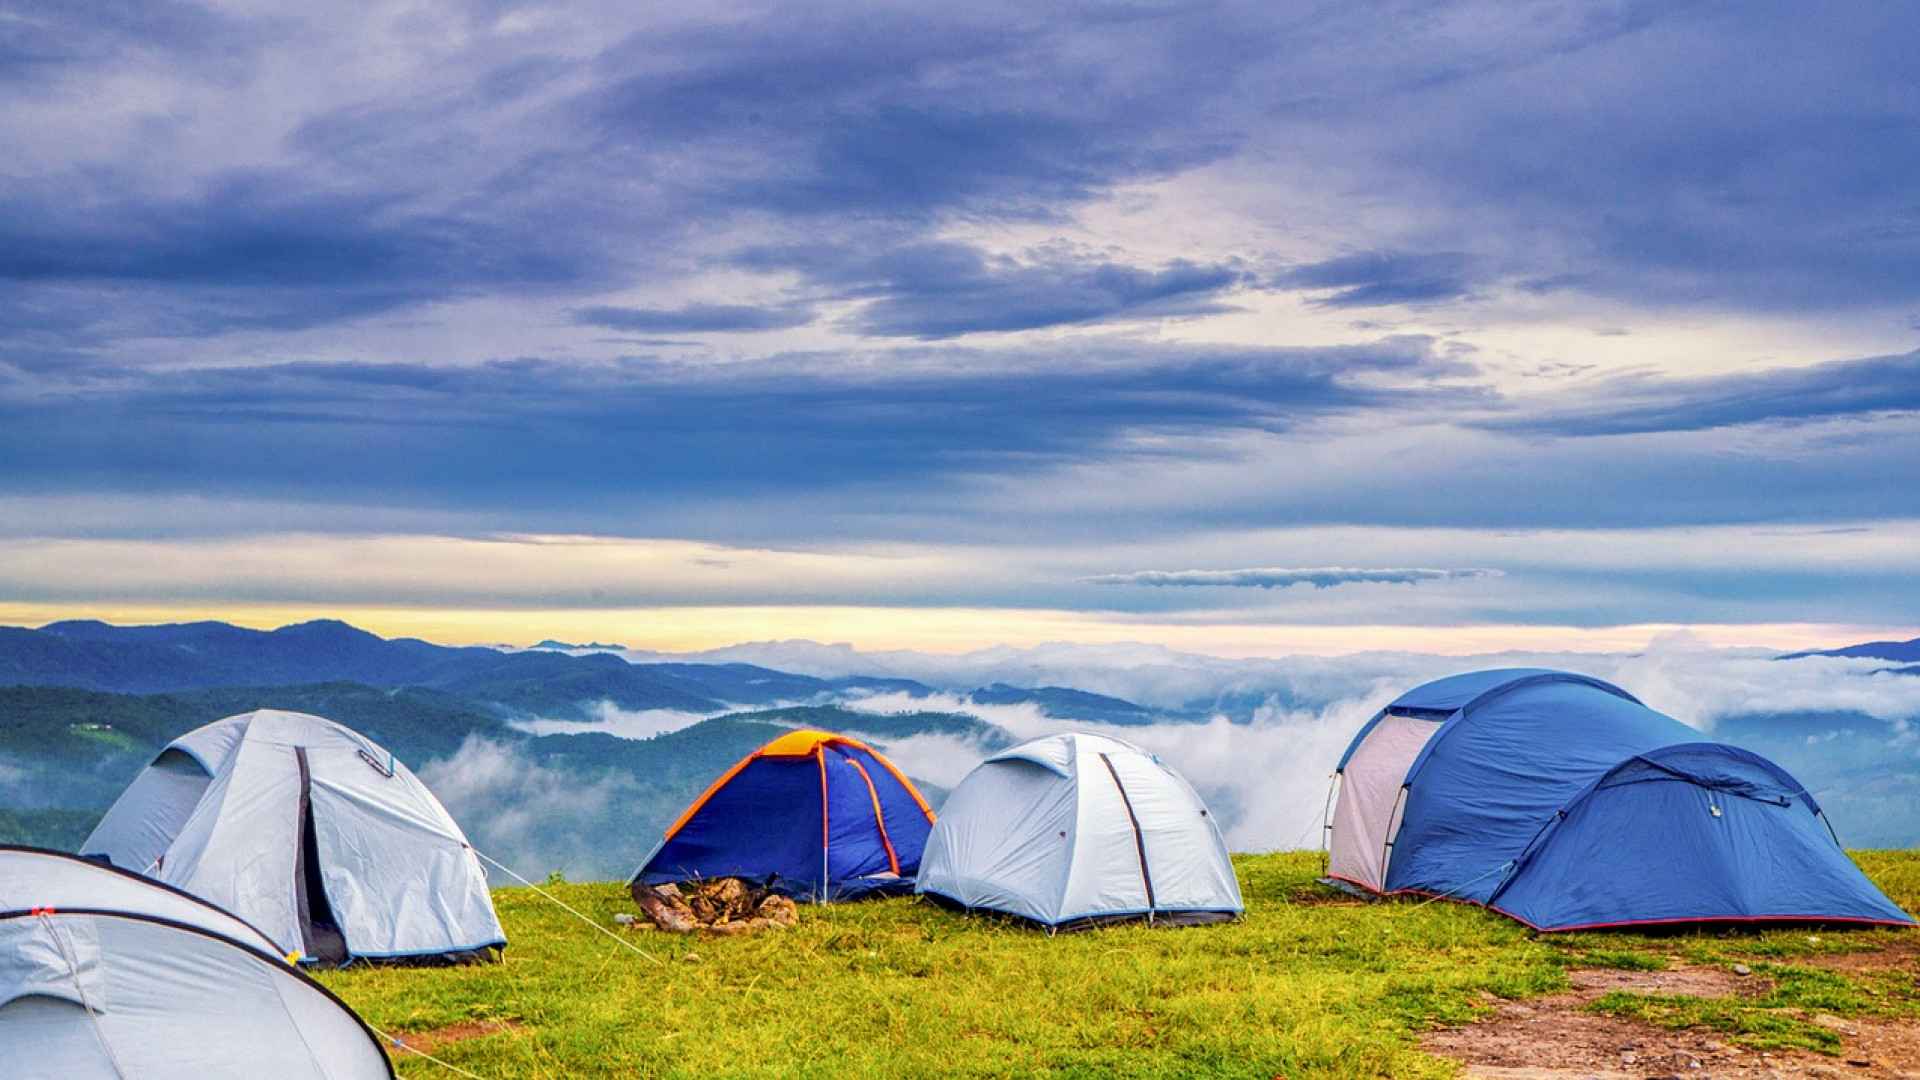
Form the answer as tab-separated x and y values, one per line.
106	974
312	833
1070	831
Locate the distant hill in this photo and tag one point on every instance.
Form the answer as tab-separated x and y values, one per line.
1064	703
187	657
84	705
1900	651
1857	766
880	727
583	801
180	657
72	750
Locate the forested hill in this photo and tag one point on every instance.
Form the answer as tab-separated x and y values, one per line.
208	655
85	705
1897	651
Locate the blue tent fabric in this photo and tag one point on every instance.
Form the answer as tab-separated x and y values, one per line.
1699	832
1564	802
1511	755
820	817
1442	699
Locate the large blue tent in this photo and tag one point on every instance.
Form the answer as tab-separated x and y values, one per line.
819	816
1563	801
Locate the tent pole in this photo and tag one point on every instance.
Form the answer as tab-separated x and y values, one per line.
1326	826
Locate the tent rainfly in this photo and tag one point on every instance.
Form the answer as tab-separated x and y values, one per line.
312	833
1071	831
818	816
105	974
1562	801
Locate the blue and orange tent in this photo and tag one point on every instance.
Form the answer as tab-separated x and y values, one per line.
818	816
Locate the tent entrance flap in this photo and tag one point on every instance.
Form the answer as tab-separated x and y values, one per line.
1368	813
879	819
1139	840
319	930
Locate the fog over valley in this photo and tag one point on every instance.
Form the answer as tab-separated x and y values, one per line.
1259	739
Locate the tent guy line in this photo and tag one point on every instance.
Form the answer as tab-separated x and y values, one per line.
395	1042
562	905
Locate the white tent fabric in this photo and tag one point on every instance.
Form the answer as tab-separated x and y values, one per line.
1371	799
223	813
31	878
1077	829
104	975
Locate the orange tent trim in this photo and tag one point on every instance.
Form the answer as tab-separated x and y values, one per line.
799	744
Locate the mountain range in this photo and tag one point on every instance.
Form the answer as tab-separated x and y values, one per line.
574	758
1898	651
85	704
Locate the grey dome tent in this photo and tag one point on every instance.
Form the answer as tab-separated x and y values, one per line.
312	833
106	974
1071	831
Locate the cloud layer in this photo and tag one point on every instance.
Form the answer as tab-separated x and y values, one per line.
1258	739
1183	284
1275	578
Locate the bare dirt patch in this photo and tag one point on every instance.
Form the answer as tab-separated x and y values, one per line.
1555	1038
431	1040
1901	954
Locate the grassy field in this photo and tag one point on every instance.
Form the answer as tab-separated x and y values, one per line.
1309	984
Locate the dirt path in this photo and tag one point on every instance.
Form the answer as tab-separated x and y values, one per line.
1556	1038
430	1041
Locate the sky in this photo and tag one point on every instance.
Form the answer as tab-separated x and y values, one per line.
1242	329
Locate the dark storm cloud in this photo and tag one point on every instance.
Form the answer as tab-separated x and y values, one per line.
524	434
871	111
41	39
259	251
1376	278
931	291
912	176
1641	405
1277	578
1743	157
516	173
693	318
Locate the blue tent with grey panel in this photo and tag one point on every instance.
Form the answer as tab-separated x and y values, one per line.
1564	802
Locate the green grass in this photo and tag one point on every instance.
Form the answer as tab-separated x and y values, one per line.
1309	984
107	736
